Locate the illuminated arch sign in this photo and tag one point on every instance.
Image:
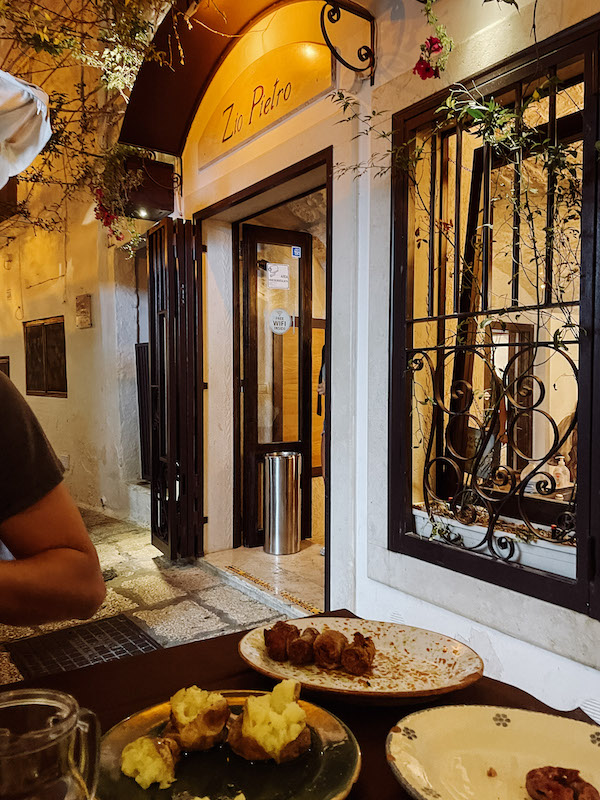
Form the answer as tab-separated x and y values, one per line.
271	87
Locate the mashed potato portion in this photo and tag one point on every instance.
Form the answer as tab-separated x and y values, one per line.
149	761
274	720
187	704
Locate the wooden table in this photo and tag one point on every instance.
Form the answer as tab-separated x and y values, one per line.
119	688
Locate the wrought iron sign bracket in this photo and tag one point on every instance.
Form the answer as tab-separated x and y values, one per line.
332	12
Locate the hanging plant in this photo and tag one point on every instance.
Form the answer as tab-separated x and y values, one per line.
100	45
112	185
435	49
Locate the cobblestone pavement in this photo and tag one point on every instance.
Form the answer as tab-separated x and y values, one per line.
175	602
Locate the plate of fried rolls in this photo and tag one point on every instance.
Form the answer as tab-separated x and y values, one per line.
363	658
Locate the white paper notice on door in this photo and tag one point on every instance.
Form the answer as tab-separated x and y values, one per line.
278	276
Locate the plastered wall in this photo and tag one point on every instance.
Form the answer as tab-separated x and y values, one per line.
94	429
301	135
218	398
387	580
365	576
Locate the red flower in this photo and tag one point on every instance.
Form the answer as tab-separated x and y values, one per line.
424	69
433	45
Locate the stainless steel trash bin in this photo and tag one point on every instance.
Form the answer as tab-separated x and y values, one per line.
282	503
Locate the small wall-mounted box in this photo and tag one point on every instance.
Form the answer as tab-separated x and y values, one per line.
83	311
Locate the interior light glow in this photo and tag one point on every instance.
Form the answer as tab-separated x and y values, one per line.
142	212
310	51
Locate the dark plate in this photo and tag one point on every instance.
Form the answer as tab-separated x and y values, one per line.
326	772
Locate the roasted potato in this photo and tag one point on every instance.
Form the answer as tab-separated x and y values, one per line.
151	760
249	748
198	718
271	726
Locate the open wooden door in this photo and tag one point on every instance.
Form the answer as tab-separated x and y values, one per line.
176	387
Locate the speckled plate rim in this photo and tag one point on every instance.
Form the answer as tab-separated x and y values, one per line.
404	722
233	693
361	692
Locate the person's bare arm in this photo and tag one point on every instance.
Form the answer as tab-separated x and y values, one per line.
55	574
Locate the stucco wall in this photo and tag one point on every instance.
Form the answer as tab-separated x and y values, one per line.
575	636
94	429
505	626
301	135
218	398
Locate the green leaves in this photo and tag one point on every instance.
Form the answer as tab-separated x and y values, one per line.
474	113
558	339
492	321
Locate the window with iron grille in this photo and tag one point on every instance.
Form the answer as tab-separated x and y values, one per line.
493	307
45	359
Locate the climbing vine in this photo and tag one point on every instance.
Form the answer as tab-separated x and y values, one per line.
86	56
436	48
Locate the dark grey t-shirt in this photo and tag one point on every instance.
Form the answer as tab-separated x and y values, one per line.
29	468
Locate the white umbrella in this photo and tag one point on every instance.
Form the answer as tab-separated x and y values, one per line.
24	124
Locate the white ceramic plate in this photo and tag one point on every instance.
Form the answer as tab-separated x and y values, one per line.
445	753
409	662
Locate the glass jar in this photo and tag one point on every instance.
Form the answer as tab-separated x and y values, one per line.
49	747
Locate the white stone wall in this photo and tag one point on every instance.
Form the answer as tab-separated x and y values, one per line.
505	626
218	398
388	583
301	136
94	429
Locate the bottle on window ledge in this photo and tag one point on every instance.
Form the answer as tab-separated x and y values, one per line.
561	473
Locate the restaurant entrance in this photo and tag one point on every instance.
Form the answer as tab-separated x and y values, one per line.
276	384
278	233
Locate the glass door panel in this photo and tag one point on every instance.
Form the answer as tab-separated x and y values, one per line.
278	342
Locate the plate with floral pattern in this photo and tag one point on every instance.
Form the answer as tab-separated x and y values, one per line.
485	752
409	662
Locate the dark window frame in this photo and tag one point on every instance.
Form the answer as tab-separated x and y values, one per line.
5	365
41	388
582	594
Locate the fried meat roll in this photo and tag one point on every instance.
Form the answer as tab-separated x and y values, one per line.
277	637
357	658
300	649
328	648
559	783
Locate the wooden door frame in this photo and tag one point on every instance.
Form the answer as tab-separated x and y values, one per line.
323	158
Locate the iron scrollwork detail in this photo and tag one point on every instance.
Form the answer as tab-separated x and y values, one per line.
461	474
332	13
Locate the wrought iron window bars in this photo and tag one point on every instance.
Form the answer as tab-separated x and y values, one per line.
482	509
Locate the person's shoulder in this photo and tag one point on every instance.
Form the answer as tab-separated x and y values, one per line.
32	468
10	398
8	391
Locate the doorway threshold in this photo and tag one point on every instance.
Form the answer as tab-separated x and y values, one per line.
292	584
